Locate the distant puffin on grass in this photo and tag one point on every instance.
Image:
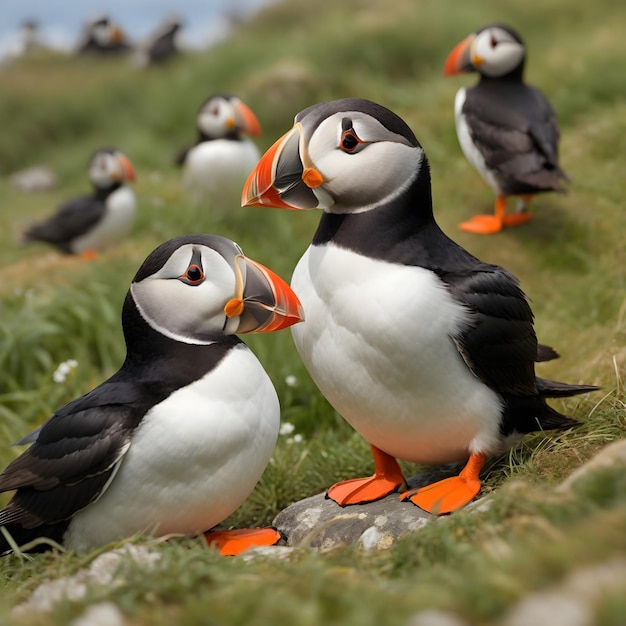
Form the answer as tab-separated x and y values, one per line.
89	224
507	129
223	156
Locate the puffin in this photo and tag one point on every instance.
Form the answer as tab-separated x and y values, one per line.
177	438
88	224
162	46
507	129
428	352
102	37
222	157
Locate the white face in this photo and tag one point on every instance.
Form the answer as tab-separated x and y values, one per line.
185	299
105	169
381	164
495	52
217	117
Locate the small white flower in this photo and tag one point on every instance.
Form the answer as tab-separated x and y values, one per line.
297	438
286	428
291	380
63	370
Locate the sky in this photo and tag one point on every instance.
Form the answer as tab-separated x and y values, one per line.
61	21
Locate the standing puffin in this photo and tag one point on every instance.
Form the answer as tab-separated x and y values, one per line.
162	46
222	158
507	129
102	36
176	440
426	351
88	224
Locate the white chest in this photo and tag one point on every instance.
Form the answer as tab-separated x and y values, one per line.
193	460
471	152
378	341
213	166
115	224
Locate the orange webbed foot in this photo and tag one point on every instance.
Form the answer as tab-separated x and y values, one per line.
516	219
482	225
234	542
362	490
449	494
387	478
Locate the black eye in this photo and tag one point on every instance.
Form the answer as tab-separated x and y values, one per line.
193	276
349	141
493	42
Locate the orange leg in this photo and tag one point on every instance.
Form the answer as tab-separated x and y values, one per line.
449	494
487	224
386	479
521	215
233	542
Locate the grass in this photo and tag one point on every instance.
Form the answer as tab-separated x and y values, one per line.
570	260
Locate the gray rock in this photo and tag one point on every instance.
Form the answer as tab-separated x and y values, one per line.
321	523
553	608
37	178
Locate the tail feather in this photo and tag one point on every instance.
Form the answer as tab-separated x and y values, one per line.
545	353
554	389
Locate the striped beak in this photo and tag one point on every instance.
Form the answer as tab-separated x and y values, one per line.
245	119
460	59
126	171
264	302
281	178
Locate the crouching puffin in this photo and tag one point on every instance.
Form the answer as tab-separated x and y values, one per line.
222	157
425	350
507	129
88	224
176	440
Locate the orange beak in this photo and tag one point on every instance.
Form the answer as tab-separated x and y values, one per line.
459	60
265	302
127	169
246	119
280	179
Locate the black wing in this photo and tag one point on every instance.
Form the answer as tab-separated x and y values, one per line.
516	130
74	456
499	344
72	219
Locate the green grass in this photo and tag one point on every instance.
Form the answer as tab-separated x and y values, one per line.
570	260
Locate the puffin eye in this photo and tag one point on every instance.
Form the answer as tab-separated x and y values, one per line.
493	42
193	276
349	140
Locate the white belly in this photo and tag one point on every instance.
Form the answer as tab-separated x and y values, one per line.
218	169
471	152
193	460
114	226
377	341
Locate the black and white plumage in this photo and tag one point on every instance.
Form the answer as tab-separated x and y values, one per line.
176	440
223	156
102	36
425	350
92	223
161	46
507	129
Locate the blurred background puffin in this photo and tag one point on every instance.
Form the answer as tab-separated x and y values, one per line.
88	224
507	129
216	167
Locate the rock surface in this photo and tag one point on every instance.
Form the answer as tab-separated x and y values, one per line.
37	178
320	523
